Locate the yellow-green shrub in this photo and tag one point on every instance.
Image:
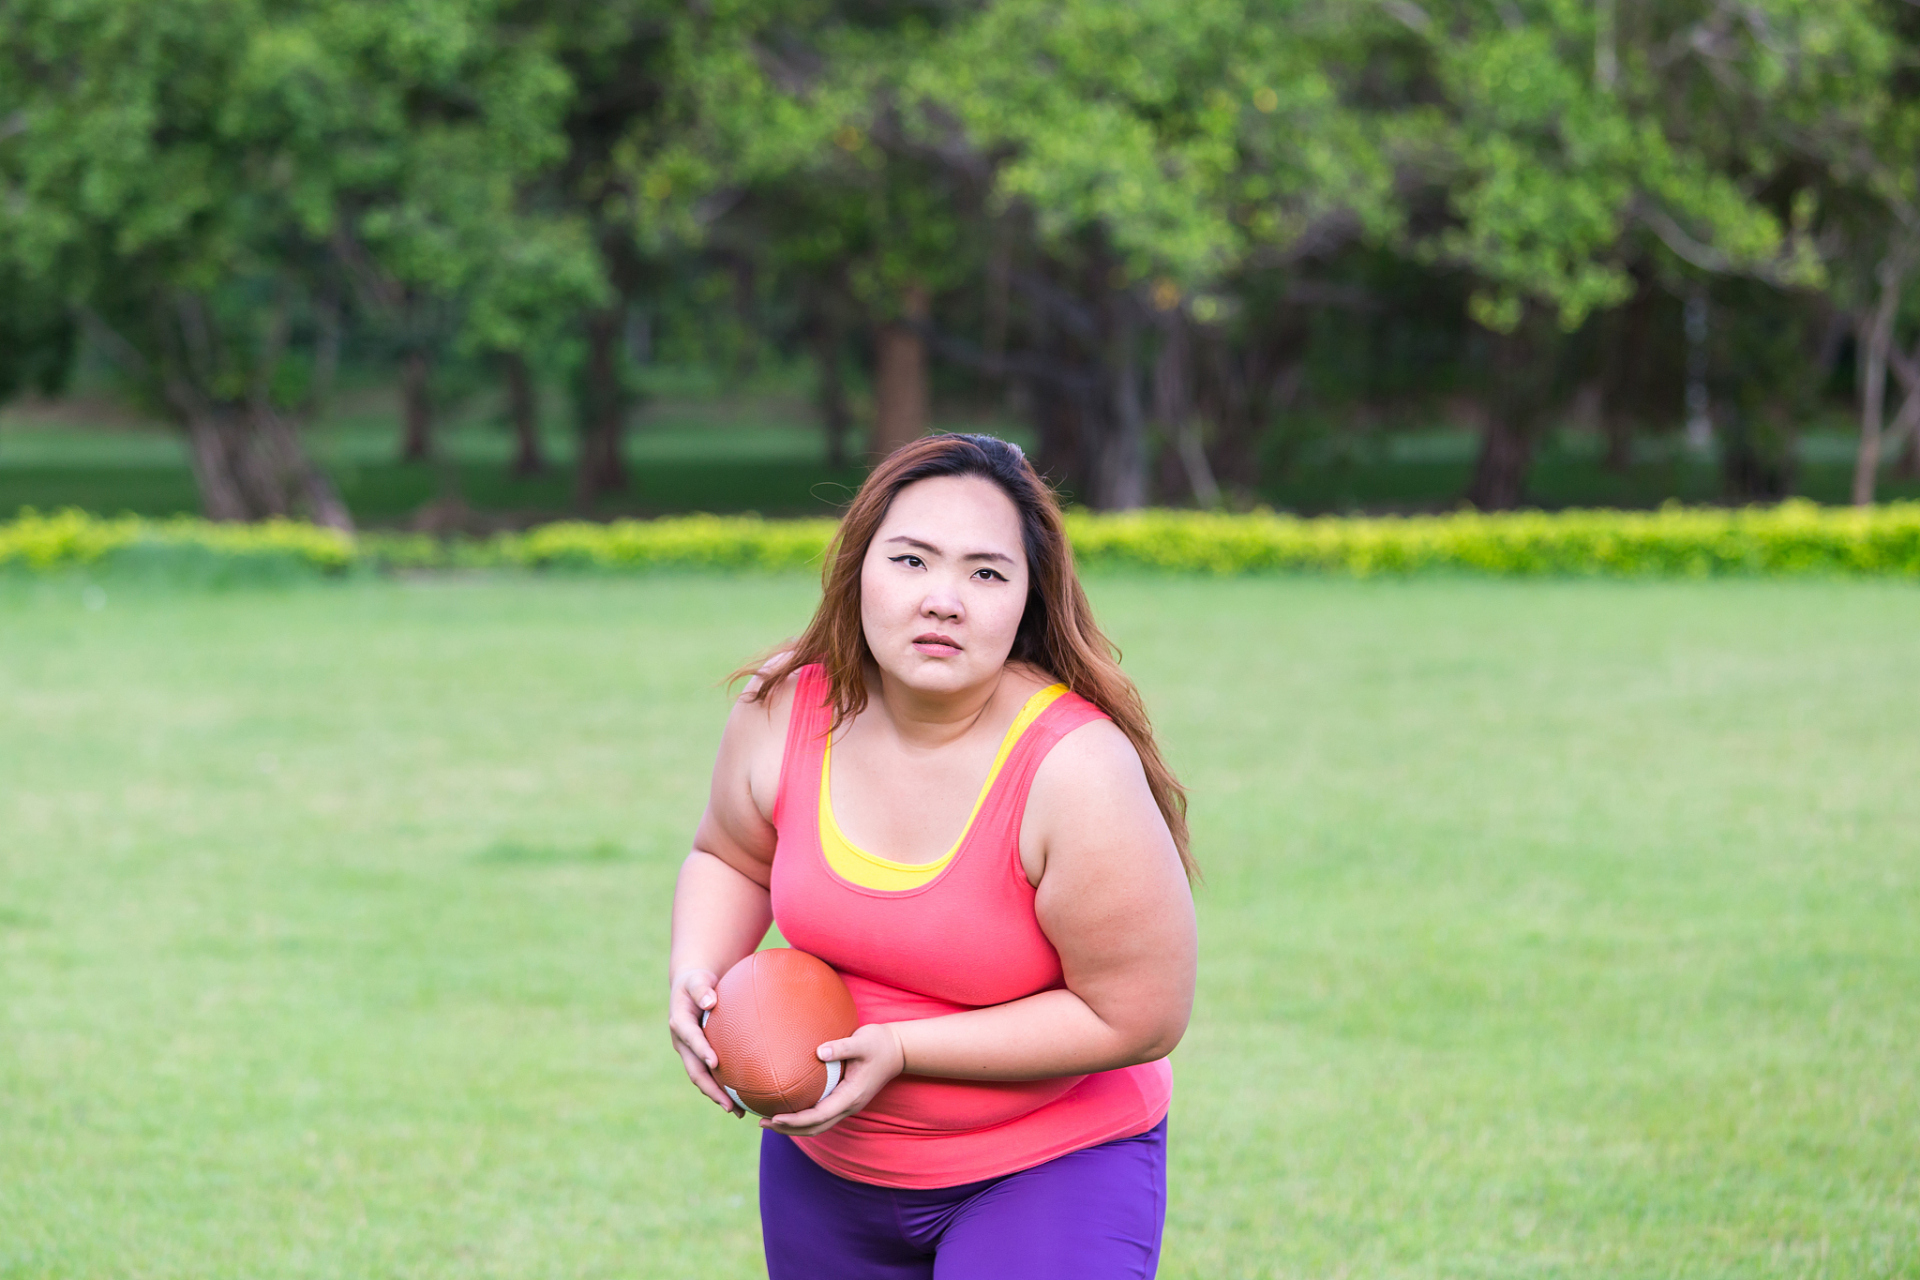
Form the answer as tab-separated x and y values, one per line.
69	538
704	542
1792	538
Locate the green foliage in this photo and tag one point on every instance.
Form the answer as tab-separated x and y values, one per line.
1568	139
1192	134
231	193
70	539
1794	538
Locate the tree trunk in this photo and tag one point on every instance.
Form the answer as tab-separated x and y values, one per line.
1120	475
1228	394
248	459
309	491
1628	355
416	398
831	393
1906	427
523	410
1056	418
745	299
1908	467
1876	335
1522	369
1756	453
1904	431
900	397
222	496
1618	430
251	465
999	287
1173	408
1500	472
602	409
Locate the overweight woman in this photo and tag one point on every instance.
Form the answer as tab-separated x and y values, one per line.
947	790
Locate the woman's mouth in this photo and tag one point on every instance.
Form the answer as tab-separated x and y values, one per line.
935	645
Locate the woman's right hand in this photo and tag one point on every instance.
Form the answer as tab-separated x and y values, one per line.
691	995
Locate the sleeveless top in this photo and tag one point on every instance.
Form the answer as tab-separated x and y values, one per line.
919	941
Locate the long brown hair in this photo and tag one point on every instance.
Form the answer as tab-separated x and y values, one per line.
1057	633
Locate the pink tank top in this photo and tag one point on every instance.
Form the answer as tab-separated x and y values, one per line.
921	941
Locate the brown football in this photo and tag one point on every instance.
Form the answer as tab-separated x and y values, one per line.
770	1013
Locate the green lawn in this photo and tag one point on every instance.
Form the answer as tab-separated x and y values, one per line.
700	448
1550	929
748	453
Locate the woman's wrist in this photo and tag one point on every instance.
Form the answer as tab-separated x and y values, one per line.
895	1032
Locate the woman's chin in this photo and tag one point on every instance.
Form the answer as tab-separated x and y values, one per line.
926	673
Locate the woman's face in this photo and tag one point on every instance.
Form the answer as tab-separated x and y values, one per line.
944	584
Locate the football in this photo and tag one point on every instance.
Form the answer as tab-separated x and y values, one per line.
770	1013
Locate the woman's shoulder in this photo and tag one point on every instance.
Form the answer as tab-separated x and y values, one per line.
773	683
754	743
763	708
1090	743
1089	796
1085	745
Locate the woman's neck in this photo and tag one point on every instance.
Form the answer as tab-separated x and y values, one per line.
926	719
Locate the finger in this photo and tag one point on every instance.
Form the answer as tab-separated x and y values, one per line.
818	1118
696	1065
688	1033
696	1003
704	1081
698	990
838	1050
802	1130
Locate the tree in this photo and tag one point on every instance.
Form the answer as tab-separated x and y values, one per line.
1565	145
183	178
1154	150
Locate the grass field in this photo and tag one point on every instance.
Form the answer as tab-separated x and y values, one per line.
1550	930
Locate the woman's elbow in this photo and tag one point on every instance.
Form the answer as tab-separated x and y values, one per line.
1156	1041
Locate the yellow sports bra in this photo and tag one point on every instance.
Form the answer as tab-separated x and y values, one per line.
870	871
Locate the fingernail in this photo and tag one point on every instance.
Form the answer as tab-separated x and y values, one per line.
712	1062
706	1001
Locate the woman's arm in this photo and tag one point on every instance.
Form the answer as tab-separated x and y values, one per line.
721	907
1112	898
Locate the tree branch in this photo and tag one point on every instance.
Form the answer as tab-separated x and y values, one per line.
1701	255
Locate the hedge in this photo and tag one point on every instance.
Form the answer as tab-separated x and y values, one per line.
1792	538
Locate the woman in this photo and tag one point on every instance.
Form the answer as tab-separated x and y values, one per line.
1002	1107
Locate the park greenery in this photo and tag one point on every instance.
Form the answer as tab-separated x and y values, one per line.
1555	928
1165	234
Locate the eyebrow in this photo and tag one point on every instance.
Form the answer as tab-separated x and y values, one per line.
971	555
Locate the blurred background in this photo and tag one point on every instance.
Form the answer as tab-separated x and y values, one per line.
1552	927
464	265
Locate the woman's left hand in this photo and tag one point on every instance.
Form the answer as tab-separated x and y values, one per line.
869	1059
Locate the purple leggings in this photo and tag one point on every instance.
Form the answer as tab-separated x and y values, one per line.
1088	1215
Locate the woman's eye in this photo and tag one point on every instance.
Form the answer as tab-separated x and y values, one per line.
992	575
911	561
